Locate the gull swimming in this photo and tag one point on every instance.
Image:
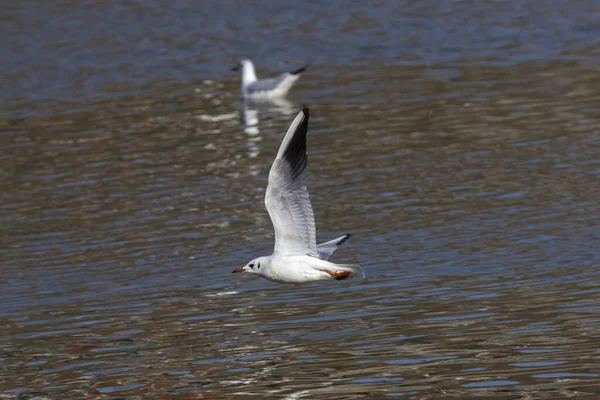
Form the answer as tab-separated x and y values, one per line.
253	88
296	257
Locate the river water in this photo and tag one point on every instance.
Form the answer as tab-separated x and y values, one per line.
456	140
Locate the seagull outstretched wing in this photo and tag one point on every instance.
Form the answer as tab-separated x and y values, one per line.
287	199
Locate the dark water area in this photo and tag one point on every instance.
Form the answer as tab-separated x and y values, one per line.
456	140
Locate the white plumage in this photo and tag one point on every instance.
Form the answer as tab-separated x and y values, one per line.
296	257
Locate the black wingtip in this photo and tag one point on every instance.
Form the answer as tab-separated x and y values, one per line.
295	153
299	70
343	239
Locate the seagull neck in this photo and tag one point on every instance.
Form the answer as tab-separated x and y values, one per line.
248	75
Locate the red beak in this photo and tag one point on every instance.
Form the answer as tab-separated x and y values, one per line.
239	270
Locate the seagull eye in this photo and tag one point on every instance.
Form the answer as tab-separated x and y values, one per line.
251	265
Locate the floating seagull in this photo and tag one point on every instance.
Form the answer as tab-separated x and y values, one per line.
296	257
252	88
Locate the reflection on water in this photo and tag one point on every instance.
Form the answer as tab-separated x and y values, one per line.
457	144
250	119
251	110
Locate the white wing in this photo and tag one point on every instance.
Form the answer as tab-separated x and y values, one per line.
287	199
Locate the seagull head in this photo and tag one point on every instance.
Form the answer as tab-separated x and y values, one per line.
243	64
255	266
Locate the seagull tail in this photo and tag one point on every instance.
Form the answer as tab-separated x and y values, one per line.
356	271
299	70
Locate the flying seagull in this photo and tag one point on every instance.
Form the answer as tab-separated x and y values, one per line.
253	88
296	258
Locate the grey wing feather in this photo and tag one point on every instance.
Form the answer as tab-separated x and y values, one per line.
280	84
326	249
265	85
287	199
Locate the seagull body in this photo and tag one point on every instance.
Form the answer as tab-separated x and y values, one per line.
253	88
296	257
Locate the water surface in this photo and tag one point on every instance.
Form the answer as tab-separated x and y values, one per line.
457	141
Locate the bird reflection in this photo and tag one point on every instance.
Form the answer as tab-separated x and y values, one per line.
250	124
251	119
